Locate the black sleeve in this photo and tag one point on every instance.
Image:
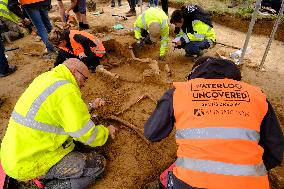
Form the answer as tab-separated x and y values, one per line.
271	139
14	6
85	42
62	56
177	30
161	122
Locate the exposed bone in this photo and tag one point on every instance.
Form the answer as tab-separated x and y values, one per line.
102	70
131	126
139	99
168	70
154	66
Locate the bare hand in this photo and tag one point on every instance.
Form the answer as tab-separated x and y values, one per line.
112	131
97	103
82	55
27	22
67	12
178	43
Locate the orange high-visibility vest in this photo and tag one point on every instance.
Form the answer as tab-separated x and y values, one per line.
26	2
217	133
99	49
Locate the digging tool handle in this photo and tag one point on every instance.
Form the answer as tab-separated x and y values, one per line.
224	44
12	49
124	18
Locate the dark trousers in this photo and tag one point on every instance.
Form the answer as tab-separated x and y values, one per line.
92	61
195	47
3	60
165	6
132	4
75	171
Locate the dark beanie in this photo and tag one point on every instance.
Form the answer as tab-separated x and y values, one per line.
214	68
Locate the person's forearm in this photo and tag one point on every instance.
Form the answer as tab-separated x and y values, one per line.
73	4
61	10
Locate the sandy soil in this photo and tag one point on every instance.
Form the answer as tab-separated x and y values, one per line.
131	161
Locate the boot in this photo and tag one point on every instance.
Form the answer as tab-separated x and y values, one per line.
119	3
153	185
10	70
112	3
131	12
81	26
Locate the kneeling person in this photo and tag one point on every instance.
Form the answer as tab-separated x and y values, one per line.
78	44
150	27
194	30
49	115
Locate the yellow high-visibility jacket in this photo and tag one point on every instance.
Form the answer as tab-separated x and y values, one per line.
153	15
45	119
201	31
6	13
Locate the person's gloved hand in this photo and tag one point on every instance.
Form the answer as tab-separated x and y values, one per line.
147	40
139	43
178	45
162	58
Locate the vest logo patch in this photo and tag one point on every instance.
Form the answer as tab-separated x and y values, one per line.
198	112
224	92
206	112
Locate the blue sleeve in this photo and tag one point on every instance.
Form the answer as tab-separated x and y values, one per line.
271	139
161	122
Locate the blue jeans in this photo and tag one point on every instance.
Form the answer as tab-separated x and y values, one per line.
195	47
153	3
3	60
39	17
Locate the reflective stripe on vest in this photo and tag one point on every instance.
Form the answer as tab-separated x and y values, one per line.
137	28
216	167
5	12
200	36
194	22
165	44
185	38
165	38
3	3
218	133
29	121
144	21
145	25
164	23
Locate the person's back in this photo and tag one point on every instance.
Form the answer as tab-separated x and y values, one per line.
217	133
227	133
150	15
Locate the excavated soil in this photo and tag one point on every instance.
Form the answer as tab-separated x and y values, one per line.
131	161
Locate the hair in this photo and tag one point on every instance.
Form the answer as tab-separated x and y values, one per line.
56	36
214	68
176	17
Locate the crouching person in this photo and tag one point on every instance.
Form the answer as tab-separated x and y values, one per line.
150	27
194	30
78	44
49	115
217	150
